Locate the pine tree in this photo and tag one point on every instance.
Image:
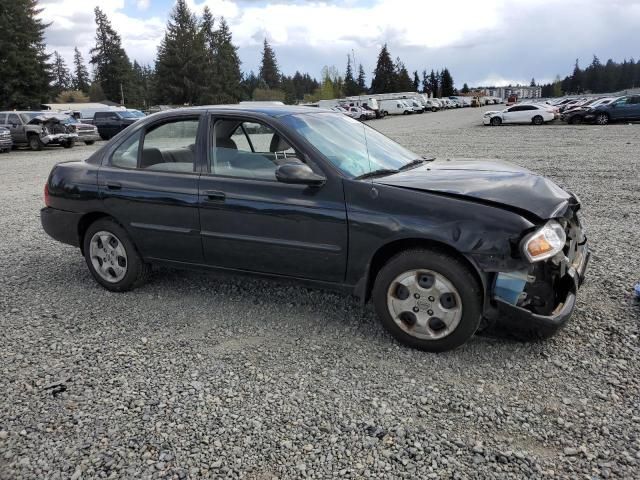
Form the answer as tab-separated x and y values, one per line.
577	82
416	81
80	72
425	82
269	72
226	65
362	80
24	71
446	83
533	82
434	83
180	78
211	85
402	80
61	76
249	83
465	88
111	64
350	85
384	75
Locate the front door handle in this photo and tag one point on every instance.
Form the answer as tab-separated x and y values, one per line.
113	186
214	195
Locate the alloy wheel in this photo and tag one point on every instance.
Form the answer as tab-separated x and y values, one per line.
424	304
108	256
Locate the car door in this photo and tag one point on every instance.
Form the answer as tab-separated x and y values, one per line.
620	109
511	114
252	222
150	185
14	124
634	107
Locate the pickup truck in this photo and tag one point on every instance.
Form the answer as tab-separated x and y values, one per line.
112	122
37	129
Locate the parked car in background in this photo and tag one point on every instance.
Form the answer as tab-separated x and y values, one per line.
519	113
37	129
576	115
321	199
136	113
360	113
112	122
86	133
6	143
621	109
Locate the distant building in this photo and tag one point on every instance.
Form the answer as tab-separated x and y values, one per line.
519	91
81	106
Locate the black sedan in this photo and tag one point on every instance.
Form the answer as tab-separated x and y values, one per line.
441	247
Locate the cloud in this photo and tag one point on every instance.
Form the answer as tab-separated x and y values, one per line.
499	41
143	4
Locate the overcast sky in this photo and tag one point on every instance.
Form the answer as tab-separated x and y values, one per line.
482	43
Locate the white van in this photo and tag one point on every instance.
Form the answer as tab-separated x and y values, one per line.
394	107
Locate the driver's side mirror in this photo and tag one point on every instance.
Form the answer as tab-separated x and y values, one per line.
299	174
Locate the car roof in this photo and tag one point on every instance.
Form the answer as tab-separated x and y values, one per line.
271	110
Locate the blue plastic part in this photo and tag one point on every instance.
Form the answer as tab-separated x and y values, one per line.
510	285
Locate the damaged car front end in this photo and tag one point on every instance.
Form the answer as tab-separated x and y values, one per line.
53	130
538	299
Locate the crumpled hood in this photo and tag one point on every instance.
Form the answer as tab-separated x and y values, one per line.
491	181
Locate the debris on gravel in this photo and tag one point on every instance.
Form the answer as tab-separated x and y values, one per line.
199	376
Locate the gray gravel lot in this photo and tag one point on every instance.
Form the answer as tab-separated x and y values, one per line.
196	376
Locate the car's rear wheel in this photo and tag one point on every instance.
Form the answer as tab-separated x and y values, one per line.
35	143
89	142
112	257
69	144
537	120
428	300
495	121
576	120
602	119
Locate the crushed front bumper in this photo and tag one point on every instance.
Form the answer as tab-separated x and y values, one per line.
519	320
58	138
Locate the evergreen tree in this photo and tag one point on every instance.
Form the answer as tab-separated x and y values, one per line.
80	73
24	71
465	88
226	65
61	76
384	75
350	85
402	80
269	72
446	83
207	30
425	82
249	83
593	76
433	83
576	83
362	80
180	78
112	68
416	81
96	94
533	82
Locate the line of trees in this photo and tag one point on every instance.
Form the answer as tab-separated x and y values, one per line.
596	78
196	63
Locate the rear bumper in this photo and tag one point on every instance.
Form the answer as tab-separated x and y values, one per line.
6	143
519	320
61	225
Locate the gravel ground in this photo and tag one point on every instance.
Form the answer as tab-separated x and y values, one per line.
196	376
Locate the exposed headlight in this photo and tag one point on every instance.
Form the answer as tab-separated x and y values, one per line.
544	243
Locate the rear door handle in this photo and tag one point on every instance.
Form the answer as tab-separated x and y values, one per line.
214	195
113	186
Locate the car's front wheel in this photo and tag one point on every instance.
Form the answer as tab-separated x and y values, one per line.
112	258
35	143
602	119
89	142
495	121
537	120
428	300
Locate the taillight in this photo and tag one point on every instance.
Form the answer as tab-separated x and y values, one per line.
46	194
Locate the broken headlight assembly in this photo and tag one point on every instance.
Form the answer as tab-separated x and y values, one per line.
544	243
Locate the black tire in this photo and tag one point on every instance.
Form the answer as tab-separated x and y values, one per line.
137	272
576	120
456	272
434	109
495	121
89	142
602	119
69	144
35	143
363	117
104	137
537	120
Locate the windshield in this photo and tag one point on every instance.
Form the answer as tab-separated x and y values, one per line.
26	117
136	113
126	114
353	147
